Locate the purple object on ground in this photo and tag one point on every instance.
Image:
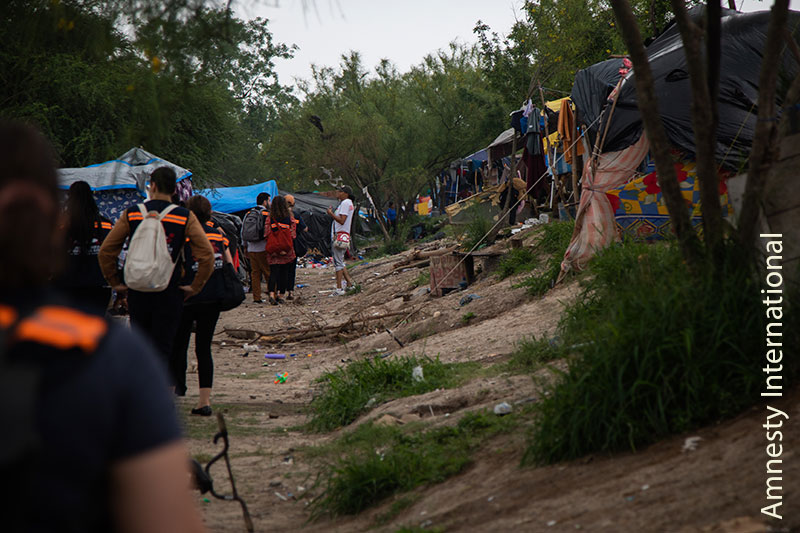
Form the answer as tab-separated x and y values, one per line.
275	356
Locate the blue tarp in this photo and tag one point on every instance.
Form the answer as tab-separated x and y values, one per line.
235	199
480	155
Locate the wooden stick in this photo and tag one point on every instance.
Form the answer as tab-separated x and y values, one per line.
309	330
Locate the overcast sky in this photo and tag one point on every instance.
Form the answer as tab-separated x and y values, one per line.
403	31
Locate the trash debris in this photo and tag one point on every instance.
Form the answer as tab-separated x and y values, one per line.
690	444
490	498
552	523
437	314
275	483
645	487
275	356
503	408
467	299
301	285
417	375
281	378
426	523
370	403
251	348
281	496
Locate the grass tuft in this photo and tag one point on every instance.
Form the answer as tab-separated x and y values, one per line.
657	351
466	317
517	261
475	230
553	243
347	390
375	462
530	354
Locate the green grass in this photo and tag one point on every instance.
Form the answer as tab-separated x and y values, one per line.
347	390
553	243
378	462
423	279
466	317
396	508
476	229
353	289
657	351
517	261
530	354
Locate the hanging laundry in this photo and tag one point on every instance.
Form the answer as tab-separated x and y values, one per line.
567	132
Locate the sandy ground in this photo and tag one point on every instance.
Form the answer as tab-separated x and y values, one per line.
717	487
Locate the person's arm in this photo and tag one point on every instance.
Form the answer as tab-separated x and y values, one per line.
150	492
341	219
227	256
109	252
203	253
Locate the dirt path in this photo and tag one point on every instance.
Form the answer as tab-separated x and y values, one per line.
721	480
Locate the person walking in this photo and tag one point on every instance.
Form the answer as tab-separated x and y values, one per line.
81	279
201	311
253	234
300	247
281	232
340	237
158	313
94	444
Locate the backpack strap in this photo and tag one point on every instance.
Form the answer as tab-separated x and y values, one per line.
142	210
166	211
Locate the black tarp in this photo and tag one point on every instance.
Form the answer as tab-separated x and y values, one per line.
312	208
743	38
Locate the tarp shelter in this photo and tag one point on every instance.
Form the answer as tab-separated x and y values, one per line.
236	199
501	146
312	209
743	36
122	182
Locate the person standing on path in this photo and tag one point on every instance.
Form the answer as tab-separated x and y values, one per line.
91	441
281	232
202	312
342	222
158	313
253	235
300	248
86	230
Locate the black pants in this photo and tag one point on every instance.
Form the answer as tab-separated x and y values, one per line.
158	315
279	277
205	316
292	274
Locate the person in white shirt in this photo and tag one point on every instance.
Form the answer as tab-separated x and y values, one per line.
342	221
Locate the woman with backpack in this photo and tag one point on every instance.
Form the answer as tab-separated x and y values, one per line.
86	230
281	232
300	248
202	310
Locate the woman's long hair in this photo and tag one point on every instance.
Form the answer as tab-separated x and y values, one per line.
82	214
279	210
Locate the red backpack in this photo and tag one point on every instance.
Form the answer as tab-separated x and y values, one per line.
279	238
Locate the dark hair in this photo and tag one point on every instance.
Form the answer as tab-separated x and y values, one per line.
261	198
28	207
201	207
82	213
391	204
279	209
164	178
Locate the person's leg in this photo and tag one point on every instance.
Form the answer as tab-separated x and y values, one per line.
207	317
292	278
273	283
256	271
346	275
338	265
285	279
140	312
167	308
177	363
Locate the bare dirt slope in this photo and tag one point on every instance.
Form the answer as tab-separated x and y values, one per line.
721	480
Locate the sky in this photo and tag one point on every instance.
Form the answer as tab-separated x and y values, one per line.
404	31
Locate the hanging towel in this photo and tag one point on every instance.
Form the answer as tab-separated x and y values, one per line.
566	130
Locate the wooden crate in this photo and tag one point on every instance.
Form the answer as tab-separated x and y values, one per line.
448	272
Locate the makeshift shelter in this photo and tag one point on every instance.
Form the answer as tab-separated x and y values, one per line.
312	209
742	40
122	182
237	199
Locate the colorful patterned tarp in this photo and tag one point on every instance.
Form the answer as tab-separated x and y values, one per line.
640	212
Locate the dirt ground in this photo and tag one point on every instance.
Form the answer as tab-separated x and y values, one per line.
718	487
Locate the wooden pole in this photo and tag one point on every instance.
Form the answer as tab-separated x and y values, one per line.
550	158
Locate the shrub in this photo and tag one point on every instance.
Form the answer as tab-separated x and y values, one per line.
657	351
476	229
516	261
531	353
553	243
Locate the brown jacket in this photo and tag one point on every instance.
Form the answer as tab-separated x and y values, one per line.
201	249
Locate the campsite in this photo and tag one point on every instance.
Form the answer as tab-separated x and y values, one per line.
533	270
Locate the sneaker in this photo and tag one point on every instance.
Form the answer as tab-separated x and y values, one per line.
202	411
339	292
258	301
273	301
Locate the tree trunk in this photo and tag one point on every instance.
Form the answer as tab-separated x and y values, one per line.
378	211
764	149
704	83
648	107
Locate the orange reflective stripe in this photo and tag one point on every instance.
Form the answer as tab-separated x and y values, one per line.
210	224
214	237
226	241
63	328
175	219
104	225
135	215
7	315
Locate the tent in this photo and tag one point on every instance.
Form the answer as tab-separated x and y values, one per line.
236	199
312	207
743	37
122	182
742	41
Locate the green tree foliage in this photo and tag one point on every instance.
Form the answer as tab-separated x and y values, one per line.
385	130
195	85
557	38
